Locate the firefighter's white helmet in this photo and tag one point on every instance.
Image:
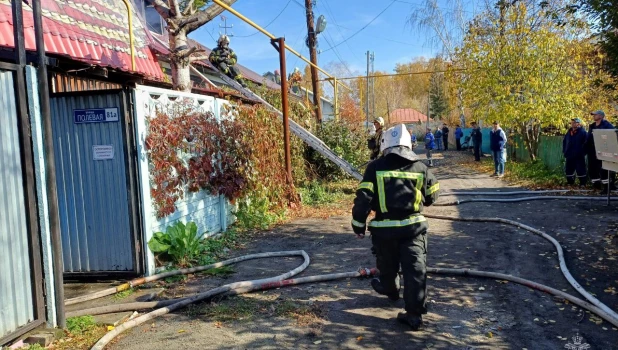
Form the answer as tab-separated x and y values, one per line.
296	70
396	136
380	121
223	39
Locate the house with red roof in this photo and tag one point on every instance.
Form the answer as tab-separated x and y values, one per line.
407	116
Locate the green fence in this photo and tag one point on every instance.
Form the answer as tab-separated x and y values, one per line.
550	151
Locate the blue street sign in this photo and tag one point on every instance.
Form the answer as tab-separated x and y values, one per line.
96	115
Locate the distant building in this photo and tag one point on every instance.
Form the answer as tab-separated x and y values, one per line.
407	116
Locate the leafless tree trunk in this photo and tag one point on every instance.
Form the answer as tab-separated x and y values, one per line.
531	132
183	17
449	27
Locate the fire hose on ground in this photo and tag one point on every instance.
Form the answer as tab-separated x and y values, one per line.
516	200
284	281
594	305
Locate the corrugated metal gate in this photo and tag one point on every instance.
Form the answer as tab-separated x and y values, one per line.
95	179
21	299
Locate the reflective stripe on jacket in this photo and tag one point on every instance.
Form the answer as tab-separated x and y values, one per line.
397	189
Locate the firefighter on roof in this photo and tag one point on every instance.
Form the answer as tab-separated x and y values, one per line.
225	59
295	79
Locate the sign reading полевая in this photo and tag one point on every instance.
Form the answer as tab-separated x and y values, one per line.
96	115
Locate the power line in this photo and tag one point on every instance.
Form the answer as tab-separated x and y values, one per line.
401	74
382	38
269	23
339	57
365	26
331	12
438	7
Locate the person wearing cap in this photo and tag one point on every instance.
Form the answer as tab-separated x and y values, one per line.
396	187
374	142
598	176
430	145
574	150
497	142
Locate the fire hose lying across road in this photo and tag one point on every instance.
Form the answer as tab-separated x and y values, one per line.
593	305
524	199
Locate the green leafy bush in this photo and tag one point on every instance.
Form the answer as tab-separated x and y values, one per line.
179	243
79	325
257	213
346	141
316	193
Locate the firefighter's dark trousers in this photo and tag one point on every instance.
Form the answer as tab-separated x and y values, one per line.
411	255
230	71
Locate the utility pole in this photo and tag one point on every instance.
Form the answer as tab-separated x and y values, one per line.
313	55
373	86
367	94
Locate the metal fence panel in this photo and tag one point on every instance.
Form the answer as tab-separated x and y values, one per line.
92	193
550	151
209	212
16	296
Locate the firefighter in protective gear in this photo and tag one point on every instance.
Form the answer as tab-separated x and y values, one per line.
373	143
224	58
295	79
397	186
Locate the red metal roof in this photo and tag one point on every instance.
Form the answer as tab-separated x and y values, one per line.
406	115
91	31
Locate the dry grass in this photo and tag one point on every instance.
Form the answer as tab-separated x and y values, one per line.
246	308
82	341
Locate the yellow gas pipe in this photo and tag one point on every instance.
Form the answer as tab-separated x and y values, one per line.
131	46
331	78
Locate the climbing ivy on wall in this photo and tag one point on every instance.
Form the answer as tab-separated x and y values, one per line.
239	156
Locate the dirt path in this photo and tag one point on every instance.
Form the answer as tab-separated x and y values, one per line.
465	313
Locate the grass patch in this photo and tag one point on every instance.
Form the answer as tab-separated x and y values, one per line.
245	309
125	293
528	174
318	193
83	341
219	271
81	334
35	347
326	199
176	278
79	325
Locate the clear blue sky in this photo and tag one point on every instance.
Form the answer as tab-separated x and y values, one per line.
387	34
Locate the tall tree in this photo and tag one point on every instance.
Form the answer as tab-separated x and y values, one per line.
439	103
524	71
605	19
449	25
183	17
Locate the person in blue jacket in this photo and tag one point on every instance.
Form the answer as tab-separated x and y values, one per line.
458	136
599	177
430	144
438	139
574	150
497	142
